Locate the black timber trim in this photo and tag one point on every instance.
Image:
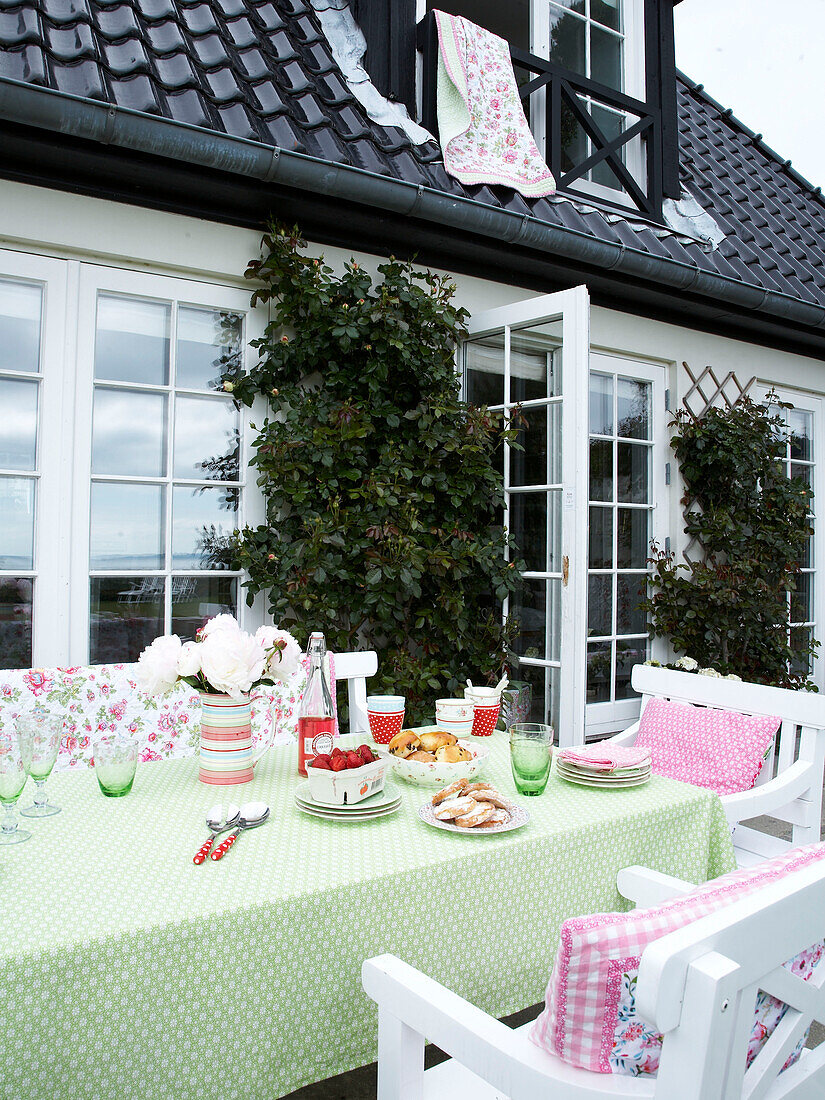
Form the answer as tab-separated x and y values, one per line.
56	161
660	87
389	29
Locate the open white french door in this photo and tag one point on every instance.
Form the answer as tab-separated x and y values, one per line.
531	361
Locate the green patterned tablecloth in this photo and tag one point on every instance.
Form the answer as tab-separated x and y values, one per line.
128	972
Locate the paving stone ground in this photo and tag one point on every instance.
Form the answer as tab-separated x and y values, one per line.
361	1084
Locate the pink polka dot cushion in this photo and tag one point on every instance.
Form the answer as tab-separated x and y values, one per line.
718	749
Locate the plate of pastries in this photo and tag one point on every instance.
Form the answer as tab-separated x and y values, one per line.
432	757
477	808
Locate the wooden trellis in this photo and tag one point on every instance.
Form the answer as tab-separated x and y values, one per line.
706	391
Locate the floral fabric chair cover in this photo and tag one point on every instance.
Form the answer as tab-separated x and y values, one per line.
104	698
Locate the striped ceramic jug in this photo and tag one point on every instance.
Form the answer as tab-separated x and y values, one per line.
226	740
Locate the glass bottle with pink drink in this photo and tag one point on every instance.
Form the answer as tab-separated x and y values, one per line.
316	724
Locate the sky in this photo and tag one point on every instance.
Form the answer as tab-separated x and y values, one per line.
765	59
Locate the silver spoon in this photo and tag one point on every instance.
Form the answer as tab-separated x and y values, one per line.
217	824
252	815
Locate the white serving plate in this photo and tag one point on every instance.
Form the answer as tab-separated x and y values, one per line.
347	787
439	774
614	784
335	815
389	796
518	817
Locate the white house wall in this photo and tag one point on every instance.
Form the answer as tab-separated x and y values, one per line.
78	227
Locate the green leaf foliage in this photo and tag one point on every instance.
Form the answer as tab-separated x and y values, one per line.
382	489
731	608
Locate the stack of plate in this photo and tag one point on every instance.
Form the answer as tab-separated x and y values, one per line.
595	777
382	804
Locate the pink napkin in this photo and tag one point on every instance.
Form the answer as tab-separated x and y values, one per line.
605	757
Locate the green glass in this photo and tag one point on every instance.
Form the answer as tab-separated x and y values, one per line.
531	748
115	764
39	734
13	778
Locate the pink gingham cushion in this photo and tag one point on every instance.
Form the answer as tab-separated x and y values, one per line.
718	749
589	1019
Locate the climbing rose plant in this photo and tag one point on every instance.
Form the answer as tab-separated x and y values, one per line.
383	490
730	608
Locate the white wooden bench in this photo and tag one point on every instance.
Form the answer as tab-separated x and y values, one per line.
696	986
789	787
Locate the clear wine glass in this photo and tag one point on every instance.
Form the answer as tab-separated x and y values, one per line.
39	734
13	776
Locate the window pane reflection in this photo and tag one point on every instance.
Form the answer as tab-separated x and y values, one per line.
18	424
129	433
202	524
631	589
632	538
484	365
606	58
132	340
529	466
17	523
601	404
208	345
207	439
567	36
598	672
601	538
528	366
197	599
16	622
628	654
529	606
633	408
125	616
127	525
528	526
20	313
601	469
633	461
599	604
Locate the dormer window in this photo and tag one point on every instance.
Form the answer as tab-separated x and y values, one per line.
583	62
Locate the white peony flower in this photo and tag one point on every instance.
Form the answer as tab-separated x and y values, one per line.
220	622
189	660
687	663
157	666
283	653
231	661
710	672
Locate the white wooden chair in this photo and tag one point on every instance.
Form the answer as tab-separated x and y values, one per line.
696	986
789	787
354	668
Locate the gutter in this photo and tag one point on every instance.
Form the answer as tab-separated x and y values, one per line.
74	116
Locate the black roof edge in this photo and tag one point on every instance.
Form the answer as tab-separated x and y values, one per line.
756	139
622	273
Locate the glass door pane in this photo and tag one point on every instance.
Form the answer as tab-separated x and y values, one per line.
530	361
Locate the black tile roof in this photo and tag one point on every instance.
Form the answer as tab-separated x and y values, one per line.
263	70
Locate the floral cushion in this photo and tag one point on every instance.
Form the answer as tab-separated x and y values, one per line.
590	1020
101	698
718	749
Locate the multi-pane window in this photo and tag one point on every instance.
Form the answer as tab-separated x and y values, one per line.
21	324
529	394
166	476
621	513
799	462
590	37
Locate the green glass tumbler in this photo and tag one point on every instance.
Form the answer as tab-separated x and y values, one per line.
531	748
115	764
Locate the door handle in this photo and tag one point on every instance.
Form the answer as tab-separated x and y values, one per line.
565	570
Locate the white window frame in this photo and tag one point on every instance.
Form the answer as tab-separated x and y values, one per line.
801	399
92	280
609	716
572	308
52	508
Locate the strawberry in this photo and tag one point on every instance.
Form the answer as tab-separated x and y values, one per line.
365	752
338	763
336	752
319	762
323	756
354	760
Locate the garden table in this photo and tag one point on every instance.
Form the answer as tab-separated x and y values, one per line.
127	971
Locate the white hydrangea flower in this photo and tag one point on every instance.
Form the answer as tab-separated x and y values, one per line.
710	672
688	664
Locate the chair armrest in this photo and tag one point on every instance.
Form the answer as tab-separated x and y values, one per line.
503	1057
772	796
626	737
645	887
